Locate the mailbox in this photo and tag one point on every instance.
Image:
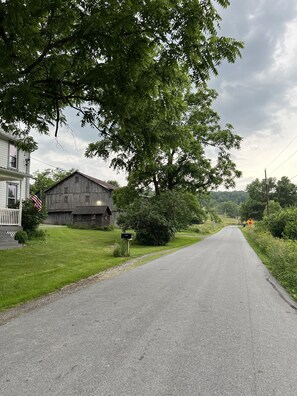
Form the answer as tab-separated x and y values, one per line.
126	235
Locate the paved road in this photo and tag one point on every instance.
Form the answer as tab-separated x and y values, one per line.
201	321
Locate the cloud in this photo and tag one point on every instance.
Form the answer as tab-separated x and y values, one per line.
256	86
67	151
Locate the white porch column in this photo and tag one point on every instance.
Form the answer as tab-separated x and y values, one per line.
20	204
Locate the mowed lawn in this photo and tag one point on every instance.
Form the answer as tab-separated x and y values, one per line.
66	256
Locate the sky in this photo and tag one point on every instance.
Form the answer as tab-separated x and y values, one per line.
257	95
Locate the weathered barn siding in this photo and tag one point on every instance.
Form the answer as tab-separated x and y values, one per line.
59	218
91	216
77	190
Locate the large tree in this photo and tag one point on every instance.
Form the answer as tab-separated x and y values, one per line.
107	59
282	192
256	203
183	146
285	192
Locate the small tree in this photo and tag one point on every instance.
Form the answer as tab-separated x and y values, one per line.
157	219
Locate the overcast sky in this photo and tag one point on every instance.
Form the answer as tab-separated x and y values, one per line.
257	95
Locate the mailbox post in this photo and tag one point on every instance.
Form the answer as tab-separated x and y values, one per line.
127	237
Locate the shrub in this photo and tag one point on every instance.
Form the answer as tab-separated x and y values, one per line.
38	234
31	217
282	224
156	219
21	237
120	249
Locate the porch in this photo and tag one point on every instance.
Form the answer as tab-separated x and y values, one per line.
10	223
10	217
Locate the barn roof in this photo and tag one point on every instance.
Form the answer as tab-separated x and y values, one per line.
84	210
101	183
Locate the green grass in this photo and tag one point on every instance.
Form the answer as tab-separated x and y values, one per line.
66	256
278	255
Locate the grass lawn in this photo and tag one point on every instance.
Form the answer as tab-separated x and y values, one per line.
66	256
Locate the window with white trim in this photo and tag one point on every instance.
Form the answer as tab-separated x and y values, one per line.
12	190
13	156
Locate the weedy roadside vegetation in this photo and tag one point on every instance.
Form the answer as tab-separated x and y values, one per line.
279	256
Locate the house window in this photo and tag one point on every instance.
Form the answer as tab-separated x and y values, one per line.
66	199
87	199
65	190
13	156
11	195
76	179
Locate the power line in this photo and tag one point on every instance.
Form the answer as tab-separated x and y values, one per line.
52	166
281	152
284	162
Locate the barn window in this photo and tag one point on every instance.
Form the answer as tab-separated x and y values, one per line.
76	179
66	199
87	199
87	188
65	190
93	217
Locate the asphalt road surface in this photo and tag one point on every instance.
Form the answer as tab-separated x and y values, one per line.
201	321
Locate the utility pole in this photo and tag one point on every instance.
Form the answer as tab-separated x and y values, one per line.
267	193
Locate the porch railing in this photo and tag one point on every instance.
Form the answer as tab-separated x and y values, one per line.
10	216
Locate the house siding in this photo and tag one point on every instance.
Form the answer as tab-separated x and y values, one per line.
3	153
18	176
23	166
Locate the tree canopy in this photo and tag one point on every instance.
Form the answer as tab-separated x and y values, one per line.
106	59
47	178
182	145
281	193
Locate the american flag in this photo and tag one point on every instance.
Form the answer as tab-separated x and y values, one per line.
37	202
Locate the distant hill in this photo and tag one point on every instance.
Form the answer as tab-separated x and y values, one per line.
224	196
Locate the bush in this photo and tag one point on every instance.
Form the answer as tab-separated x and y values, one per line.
120	249
38	234
31	217
21	237
282	224
156	219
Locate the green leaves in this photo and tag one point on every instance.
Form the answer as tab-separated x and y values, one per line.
116	55
157	219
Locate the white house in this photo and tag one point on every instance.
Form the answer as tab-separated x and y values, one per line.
14	185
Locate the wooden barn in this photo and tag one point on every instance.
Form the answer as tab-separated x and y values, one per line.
78	191
93	216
